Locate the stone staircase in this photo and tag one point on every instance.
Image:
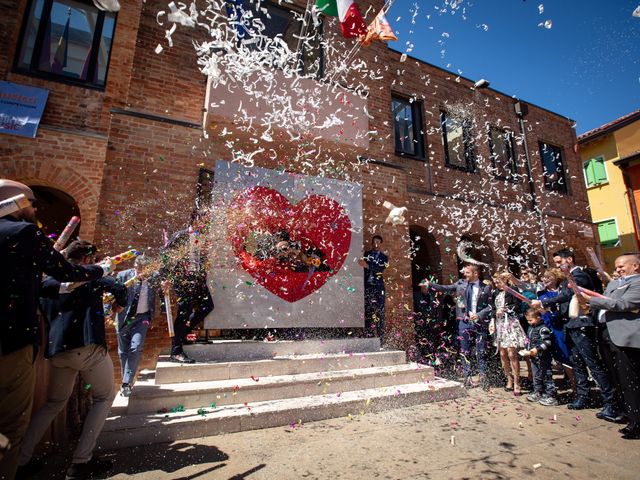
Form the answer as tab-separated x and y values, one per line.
240	385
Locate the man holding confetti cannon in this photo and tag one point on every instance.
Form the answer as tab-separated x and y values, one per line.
25	253
185	269
77	344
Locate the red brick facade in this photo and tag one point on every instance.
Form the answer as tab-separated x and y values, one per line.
130	155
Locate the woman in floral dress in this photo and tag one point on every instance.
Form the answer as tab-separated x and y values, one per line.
510	336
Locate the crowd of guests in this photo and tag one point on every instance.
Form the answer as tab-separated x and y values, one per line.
566	319
69	288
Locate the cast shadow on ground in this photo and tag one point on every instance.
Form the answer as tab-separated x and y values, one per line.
166	457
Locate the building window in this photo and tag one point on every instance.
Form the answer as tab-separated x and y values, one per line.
608	233
301	37
66	40
595	172
502	153
553	167
407	127
458	142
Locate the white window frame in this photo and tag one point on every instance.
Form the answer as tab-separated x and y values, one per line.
606	172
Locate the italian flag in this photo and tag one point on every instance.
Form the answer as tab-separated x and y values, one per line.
351	23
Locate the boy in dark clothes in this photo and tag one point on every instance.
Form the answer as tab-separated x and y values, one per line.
540	346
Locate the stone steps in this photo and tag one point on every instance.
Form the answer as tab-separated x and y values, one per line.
239	386
140	429
243	350
169	372
153	398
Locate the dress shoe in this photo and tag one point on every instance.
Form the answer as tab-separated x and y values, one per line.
609	413
578	404
632	434
181	358
629	430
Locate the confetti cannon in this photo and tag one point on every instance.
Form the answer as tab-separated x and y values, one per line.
66	233
13	204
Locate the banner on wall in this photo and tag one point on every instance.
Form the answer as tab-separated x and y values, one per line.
286	250
21	108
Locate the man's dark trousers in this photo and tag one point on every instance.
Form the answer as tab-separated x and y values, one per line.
374	310
584	355
470	336
192	311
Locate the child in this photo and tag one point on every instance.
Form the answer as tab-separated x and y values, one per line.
544	390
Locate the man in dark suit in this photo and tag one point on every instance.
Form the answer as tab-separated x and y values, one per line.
581	334
134	320
620	312
473	308
25	253
185	267
374	263
76	345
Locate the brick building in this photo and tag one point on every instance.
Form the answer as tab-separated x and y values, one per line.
126	149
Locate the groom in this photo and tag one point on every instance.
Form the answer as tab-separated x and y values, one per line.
473	309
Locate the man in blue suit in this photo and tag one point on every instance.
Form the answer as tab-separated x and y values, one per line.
133	322
473	308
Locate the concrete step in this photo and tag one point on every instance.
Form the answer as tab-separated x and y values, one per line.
141	429
242	350
154	398
170	372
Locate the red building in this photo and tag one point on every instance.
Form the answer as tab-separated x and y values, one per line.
122	143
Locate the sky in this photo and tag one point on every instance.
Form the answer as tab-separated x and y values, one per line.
586	66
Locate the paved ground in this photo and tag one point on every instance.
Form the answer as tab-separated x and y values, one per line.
486	435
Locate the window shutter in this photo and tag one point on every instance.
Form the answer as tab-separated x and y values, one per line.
599	171
589	173
608	233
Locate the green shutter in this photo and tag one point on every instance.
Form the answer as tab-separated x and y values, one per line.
595	172
599	171
608	233
589	173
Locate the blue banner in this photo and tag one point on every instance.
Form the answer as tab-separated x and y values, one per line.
21	108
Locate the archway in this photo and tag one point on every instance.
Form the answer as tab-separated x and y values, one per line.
480	251
55	208
425	255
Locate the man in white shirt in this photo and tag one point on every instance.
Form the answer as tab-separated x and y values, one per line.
473	307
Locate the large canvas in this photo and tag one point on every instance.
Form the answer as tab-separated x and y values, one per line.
286	250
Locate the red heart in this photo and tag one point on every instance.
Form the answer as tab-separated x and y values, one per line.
317	222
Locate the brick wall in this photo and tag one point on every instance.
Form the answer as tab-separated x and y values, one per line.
134	175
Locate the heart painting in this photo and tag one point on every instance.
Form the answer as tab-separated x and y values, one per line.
290	249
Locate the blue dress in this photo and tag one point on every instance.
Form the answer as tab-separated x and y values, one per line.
554	321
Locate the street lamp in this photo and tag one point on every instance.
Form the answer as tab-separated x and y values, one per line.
522	109
480	84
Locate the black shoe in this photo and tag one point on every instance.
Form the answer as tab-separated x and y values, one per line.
29	469
181	358
609	413
94	467
632	434
578	404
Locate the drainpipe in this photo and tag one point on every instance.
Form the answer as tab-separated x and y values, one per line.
521	110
